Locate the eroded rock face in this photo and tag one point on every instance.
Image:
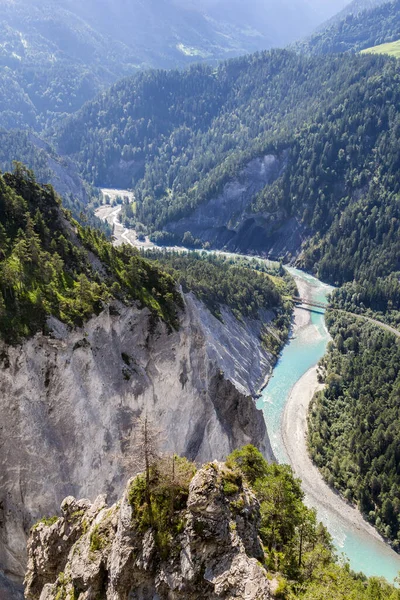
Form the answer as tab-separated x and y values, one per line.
67	403
228	221
94	551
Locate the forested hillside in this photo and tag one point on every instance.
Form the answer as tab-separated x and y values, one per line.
354	432
38	156
51	266
351	8
375	297
56	55
331	122
356	31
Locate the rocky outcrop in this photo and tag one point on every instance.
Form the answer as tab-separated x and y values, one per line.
94	551
228	222
68	401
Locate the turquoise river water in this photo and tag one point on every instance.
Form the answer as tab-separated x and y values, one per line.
364	551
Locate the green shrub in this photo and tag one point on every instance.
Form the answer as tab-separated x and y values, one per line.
230	489
48	521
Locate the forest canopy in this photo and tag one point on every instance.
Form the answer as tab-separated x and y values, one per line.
354	422
179	137
51	265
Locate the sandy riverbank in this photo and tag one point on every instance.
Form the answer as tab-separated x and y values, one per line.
294	431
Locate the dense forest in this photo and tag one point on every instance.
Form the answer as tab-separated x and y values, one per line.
378	298
247	287
356	31
333	121
354	422
38	156
49	265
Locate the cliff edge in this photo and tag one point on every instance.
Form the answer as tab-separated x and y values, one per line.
212	549
68	401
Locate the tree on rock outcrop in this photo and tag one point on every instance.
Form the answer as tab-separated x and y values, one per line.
142	453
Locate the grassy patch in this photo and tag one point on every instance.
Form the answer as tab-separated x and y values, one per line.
48	521
162	509
98	540
392	49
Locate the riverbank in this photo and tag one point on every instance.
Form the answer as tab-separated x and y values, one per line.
285	403
294	438
122	235
294	434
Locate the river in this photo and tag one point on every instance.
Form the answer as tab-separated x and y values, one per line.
284	403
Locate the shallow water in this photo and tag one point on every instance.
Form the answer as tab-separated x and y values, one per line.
364	552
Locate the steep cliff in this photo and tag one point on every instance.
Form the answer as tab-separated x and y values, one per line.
67	403
97	551
230	530
93	336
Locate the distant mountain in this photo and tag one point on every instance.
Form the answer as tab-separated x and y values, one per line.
51	62
352	8
56	55
213	27
264	154
357	30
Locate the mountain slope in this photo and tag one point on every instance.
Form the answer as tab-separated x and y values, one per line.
51	62
225	25
356	31
93	336
352	8
57	55
50	266
263	154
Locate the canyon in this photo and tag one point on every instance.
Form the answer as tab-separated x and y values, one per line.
69	400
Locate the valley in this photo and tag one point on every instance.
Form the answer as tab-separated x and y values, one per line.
285	402
199	300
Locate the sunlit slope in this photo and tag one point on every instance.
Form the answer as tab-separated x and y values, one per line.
392	49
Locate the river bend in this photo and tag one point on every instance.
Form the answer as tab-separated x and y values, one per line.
285	404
